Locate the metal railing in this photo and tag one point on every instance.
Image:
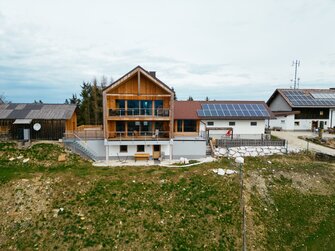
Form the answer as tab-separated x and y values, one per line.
135	135
84	135
159	112
249	142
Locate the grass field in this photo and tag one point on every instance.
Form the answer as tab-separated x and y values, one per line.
51	205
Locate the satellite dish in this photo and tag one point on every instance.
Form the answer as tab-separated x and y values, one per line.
37	126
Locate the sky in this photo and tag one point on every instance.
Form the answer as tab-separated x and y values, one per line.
223	49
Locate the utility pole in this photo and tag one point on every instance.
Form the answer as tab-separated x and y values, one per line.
296	64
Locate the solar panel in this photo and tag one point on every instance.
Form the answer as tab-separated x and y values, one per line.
305	98
233	110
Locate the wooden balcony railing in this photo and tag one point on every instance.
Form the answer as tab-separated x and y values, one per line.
134	135
139	112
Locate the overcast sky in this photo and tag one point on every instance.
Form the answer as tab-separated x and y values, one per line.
222	49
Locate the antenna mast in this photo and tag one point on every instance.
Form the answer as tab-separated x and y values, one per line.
296	64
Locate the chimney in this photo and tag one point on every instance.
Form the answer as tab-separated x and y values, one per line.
152	73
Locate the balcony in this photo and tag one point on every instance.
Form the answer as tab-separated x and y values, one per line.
139	113
135	135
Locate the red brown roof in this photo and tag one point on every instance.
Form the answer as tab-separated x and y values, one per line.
186	109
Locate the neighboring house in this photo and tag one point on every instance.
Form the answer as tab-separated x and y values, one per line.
37	121
302	109
221	119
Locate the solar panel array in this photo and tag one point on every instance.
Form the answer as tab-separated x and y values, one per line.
323	95
301	98
233	110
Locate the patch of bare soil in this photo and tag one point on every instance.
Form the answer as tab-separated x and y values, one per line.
306	183
254	182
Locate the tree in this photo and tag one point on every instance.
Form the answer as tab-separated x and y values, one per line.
190	98
207	98
174	93
90	108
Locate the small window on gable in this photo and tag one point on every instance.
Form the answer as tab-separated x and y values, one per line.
297	123
253	123
140	148
210	123
231	123
123	149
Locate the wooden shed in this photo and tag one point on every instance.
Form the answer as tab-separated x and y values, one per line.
36	121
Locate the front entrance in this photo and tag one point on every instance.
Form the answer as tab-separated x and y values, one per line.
156	151
314	125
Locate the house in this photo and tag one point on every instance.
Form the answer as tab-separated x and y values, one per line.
141	119
37	121
302	109
138	116
221	119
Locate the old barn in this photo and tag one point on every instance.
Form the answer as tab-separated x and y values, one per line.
36	121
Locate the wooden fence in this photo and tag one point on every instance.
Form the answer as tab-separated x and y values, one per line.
248	142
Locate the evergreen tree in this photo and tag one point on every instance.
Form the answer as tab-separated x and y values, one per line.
190	98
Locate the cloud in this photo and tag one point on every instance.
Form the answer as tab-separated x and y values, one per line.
223	50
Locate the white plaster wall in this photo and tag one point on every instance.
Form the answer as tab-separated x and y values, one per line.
306	124
332	118
114	151
241	127
286	123
191	149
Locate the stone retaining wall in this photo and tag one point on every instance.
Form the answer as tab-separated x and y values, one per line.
250	151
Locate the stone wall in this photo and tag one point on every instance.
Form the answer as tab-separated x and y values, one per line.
249	151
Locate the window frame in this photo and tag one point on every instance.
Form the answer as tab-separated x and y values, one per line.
137	148
122	151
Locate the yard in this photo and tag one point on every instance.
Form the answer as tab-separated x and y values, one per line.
71	205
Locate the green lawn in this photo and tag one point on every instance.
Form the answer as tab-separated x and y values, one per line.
51	205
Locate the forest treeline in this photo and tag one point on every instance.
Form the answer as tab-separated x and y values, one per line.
89	101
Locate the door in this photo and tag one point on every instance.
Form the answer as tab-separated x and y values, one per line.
314	125
26	134
156	153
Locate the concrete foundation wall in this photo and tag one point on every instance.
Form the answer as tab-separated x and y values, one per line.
189	149
114	151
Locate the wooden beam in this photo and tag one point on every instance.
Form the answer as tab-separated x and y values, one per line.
138	83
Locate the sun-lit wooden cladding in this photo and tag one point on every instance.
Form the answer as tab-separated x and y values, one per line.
71	124
137	97
186	127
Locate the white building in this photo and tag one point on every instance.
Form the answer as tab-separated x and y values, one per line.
302	109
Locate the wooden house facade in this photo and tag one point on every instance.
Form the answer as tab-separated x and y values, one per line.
138	115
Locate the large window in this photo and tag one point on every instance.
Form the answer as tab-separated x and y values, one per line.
190	125
179	125
146	107
120	126
186	125
133	107
121	106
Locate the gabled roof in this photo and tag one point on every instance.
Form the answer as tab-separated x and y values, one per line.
132	73
36	111
193	110
300	98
